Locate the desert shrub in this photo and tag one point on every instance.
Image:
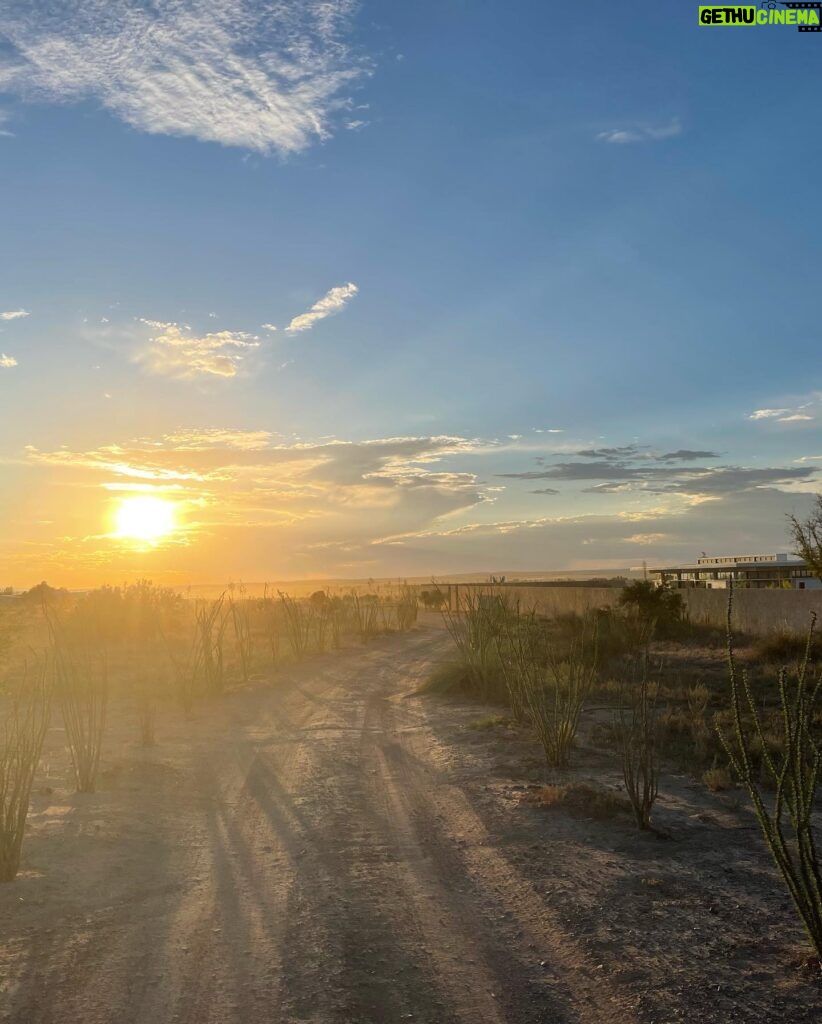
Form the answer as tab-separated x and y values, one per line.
269	612
620	635
639	746
655	606
209	658
365	611
555	693
321	622
786	820
26	708
81	689
451	678
717	779
476	628
489	722
122	617
687	740
298	624
407	608
782	647
433	599
240	611
522	656
45	594
580	798
336	622
698	698
7	636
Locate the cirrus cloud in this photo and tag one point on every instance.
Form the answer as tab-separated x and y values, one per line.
805	412
260	75
644	133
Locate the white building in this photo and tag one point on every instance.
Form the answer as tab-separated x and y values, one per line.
750	571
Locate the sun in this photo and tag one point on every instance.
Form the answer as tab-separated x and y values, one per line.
145	519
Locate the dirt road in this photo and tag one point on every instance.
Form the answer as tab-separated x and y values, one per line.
312	850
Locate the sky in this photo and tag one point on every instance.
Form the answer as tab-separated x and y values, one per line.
382	289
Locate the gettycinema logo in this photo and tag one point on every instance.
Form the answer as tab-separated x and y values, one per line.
805	16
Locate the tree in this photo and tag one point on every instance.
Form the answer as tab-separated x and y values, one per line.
807	536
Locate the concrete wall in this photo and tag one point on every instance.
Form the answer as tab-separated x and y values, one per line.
545	600
755	611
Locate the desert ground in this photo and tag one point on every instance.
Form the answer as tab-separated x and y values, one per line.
327	845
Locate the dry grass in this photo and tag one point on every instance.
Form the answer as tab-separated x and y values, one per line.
717	780
582	798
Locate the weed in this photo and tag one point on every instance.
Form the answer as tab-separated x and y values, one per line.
25	720
717	779
489	722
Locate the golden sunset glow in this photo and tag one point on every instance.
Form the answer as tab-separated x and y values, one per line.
145	519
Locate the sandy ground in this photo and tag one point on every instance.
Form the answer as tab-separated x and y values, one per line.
331	848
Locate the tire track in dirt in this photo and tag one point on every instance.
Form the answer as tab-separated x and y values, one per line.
533	965
309	860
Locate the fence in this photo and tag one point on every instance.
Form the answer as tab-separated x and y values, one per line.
755	611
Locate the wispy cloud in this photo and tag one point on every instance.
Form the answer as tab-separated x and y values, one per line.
211	437
768	414
263	76
173	351
644	133
6	362
802	413
14	314
332	302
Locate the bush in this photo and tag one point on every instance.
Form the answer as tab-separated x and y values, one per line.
81	688
22	731
717	779
659	608
554	690
782	647
639	742
476	629
581	798
786	820
433	599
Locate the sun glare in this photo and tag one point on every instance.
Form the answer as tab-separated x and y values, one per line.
145	519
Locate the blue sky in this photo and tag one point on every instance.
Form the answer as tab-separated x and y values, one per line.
598	220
